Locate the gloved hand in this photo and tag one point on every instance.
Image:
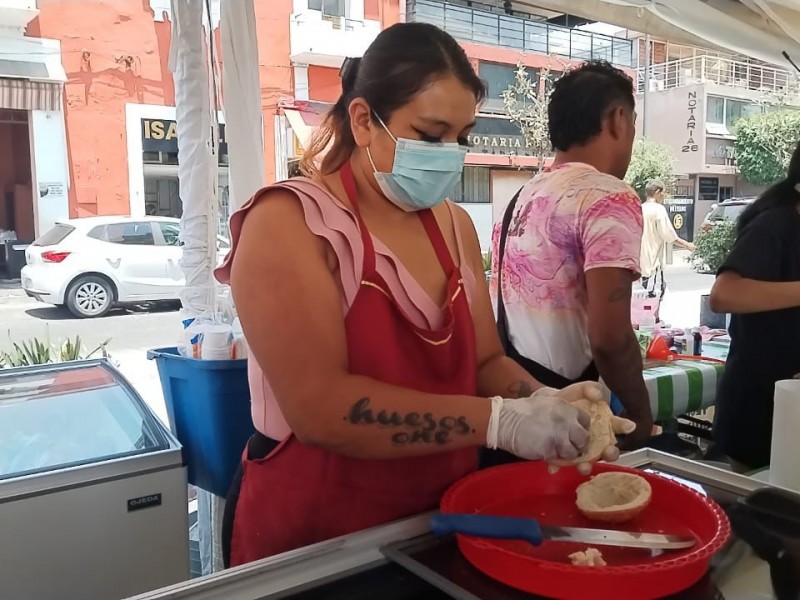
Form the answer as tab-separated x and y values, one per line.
591	391
542	427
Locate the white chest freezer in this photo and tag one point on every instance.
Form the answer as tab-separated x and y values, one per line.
93	491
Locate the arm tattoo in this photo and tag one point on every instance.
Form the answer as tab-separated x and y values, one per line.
415	428
520	389
620	294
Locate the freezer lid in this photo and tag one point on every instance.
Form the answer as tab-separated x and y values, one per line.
61	416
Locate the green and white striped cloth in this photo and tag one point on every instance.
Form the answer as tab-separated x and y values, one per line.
681	387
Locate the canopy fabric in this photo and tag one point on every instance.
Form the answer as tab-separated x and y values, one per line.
242	102
762	29
197	164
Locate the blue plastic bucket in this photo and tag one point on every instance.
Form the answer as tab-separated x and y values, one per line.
208	404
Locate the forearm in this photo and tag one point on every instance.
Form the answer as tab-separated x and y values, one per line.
620	366
734	294
365	418
681	243
502	376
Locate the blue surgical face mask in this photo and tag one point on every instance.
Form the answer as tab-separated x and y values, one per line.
424	173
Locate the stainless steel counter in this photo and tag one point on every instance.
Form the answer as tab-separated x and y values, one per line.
401	560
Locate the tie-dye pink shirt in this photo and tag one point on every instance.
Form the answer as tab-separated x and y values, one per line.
568	220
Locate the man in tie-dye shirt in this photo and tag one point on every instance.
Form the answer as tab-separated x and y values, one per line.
572	248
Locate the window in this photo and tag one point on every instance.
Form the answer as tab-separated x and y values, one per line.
131	234
726	212
98	233
474	186
54	236
727	111
715	110
725	193
331	8
498	79
171	233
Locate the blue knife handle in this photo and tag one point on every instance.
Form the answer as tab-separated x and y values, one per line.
486	526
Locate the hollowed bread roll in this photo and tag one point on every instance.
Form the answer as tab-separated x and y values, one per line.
613	497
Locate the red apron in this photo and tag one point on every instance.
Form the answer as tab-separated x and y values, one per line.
300	495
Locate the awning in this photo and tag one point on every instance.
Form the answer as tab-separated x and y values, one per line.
304	121
31	74
763	29
24	94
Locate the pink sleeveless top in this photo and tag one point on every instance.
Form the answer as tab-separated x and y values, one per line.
331	220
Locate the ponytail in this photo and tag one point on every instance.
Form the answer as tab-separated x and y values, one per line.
334	137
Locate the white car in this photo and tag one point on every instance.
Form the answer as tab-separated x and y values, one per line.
93	263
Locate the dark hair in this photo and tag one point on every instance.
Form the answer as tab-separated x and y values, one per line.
400	63
581	99
783	193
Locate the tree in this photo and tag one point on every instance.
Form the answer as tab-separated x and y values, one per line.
764	145
650	160
525	102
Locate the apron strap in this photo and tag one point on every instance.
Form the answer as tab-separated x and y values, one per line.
349	184
542	374
437	240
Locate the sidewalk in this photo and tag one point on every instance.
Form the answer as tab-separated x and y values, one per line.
143	376
11	288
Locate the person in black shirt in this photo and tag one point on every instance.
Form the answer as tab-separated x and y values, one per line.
759	284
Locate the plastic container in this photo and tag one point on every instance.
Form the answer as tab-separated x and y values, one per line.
216	342
643	312
208	405
527	490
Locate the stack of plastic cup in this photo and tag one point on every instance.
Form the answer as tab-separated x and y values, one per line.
216	344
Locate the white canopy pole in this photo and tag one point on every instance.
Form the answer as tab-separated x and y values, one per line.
242	102
196	160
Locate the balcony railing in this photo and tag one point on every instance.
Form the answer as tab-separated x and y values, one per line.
483	27
721	71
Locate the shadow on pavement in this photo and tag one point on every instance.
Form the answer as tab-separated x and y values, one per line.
61	313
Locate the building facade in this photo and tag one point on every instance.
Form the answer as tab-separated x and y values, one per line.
107	141
690	99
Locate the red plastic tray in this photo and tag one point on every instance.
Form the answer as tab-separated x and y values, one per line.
528	490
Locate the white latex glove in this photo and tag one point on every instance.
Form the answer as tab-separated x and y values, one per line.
593	392
543	427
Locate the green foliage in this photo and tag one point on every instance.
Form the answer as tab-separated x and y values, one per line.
38	352
487	261
650	160
764	145
712	247
525	103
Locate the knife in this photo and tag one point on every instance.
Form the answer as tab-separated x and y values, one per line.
513	528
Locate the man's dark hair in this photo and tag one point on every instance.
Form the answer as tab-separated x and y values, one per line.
582	98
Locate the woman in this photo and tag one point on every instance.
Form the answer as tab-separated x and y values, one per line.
372	341
759	284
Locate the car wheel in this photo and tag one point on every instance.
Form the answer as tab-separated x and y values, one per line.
90	296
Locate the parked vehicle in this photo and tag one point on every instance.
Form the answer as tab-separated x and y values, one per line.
94	263
728	210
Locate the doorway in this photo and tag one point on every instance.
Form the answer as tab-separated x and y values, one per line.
17	216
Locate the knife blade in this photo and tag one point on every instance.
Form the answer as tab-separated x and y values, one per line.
513	528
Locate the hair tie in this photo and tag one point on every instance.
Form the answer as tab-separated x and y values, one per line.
348	73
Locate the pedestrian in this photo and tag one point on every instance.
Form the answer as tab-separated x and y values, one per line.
375	367
759	285
657	234
567	252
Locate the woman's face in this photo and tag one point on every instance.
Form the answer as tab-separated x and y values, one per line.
442	112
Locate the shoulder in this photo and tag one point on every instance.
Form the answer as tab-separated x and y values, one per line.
465	227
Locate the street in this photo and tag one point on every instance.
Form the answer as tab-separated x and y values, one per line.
134	331
131	333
